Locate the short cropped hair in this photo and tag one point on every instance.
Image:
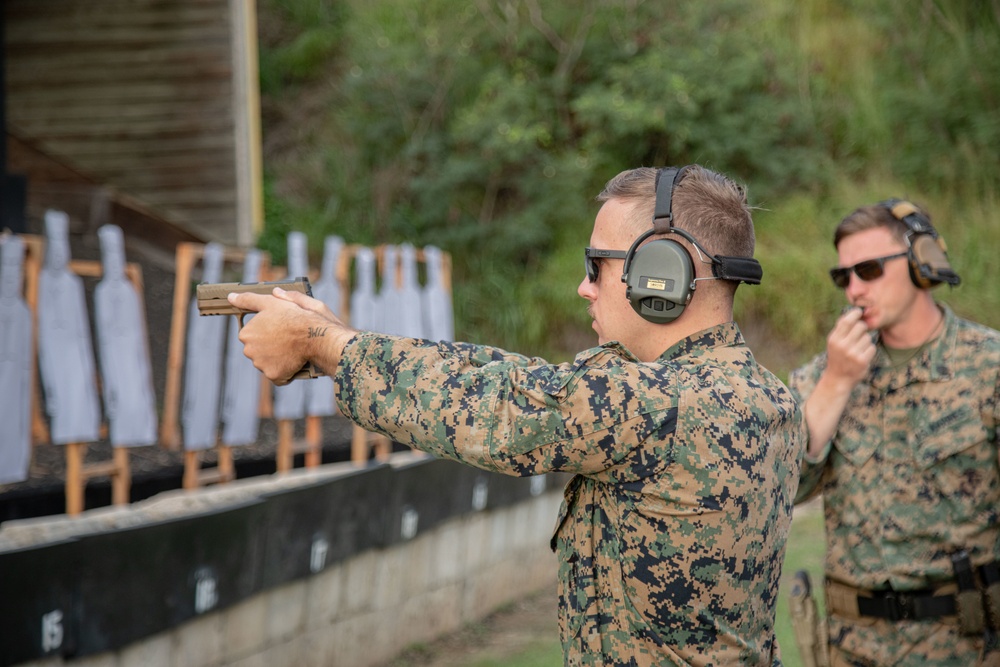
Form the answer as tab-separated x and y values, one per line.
871	217
706	204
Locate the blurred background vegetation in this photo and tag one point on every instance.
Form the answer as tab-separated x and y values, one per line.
487	128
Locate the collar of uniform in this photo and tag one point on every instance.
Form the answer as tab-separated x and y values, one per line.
727	334
930	365
617	348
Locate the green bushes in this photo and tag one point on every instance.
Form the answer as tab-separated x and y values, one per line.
487	128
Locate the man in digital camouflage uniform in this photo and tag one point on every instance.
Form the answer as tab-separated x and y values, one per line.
685	451
902	417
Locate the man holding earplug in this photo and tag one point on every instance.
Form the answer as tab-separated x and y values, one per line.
902	413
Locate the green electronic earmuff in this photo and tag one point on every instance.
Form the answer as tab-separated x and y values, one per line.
661	274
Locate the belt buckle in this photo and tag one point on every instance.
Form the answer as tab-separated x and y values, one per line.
901	606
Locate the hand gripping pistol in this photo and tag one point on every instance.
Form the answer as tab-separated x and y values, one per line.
213	299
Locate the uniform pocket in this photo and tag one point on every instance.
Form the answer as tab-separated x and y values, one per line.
959	462
948	439
577	604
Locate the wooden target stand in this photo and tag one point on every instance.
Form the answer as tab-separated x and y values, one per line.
78	472
195	474
365	443
311	445
288	446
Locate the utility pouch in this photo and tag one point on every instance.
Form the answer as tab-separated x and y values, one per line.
991	593
810	629
968	601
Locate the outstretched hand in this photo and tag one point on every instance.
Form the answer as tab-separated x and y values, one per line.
289	329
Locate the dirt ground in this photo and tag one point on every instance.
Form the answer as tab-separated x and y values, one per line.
506	633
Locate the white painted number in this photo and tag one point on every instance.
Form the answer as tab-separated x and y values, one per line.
409	523
480	492
537	485
52	630
317	556
205	594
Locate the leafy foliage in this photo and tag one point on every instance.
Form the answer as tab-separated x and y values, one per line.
486	128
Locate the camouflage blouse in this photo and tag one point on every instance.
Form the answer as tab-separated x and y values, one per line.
672	532
912	474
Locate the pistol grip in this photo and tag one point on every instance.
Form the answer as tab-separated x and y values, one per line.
307	372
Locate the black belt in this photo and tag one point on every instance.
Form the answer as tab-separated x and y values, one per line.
911	606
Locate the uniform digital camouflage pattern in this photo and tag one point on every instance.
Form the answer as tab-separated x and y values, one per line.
911	477
672	533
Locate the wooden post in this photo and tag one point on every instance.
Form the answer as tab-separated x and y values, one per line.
227	471
314	441
364	442
121	480
185	257
383	447
283	459
192	464
359	446
74	477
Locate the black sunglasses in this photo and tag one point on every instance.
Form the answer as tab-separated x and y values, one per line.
592	266
870	269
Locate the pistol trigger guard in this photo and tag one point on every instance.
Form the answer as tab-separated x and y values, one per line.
240	318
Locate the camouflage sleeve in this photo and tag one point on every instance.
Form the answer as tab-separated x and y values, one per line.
802	382
495	410
480	355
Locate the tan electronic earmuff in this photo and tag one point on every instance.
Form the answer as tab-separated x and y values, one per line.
927	253
661	275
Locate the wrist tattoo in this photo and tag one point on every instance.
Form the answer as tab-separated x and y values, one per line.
316	332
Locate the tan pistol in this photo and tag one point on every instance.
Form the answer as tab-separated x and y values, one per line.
213	299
